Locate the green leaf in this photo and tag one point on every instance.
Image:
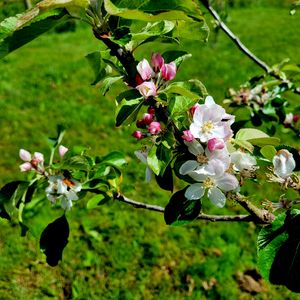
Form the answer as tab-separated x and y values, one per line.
128	107
115	158
97	200
196	30
179	105
159	158
94	60
17	31
279	251
176	56
250	133
108	82
268	152
260	142
78	162
54	239
180	211
166	180
193	89
135	14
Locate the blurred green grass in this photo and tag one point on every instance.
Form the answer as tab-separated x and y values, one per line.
117	252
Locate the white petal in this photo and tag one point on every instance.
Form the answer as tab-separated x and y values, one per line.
216	197
38	156
188	167
25	167
227	182
209	100
148	174
141	155
65	203
61	187
195	148
62	150
25	155
72	196
194	191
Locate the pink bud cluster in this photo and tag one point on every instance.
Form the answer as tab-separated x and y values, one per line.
151	77
148	123
35	162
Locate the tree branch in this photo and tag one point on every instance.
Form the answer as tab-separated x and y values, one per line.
236	40
212	218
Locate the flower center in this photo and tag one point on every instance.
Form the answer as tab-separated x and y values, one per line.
202	159
208	183
207	127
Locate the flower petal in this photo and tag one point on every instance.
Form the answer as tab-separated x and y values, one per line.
216	197
227	182
25	167
188	167
195	147
38	156
194	191
24	155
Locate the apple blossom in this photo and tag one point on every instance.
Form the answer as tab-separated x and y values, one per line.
64	189
138	134
31	163
147	89
215	144
208	122
187	136
216	181
157	62
242	160
283	163
168	71
154	128
62	150
144	69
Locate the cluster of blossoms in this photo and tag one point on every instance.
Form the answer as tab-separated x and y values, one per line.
150	78
214	167
148	124
60	188
291	120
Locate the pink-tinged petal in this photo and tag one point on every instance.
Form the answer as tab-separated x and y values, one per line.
157	61
168	71
147	118
144	69
187	136
215	144
154	128
283	163
188	167
38	157
138	134
147	89
24	155
193	108
25	167
227	182
216	197
62	150
194	191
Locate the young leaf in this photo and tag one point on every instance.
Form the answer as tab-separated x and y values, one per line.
176	56
159	158
279	251
97	200
94	60
108	82
115	158
54	239
179	105
180	211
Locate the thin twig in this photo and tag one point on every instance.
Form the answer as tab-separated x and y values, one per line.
212	218
235	39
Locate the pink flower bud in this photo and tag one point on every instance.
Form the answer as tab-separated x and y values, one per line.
24	155
39	157
168	71
147	118
193	108
215	144
62	150
144	69
140	124
296	118
147	89
157	62
25	167
137	134
154	128
187	136
151	110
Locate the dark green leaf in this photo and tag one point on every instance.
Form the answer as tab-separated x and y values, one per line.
176	56
159	158
55	141
97	200
54	239
279	251
179	105
115	158
180	211
166	180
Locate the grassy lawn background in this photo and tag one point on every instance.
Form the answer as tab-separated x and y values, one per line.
117	252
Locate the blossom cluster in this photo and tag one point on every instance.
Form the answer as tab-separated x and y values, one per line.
214	168
60	187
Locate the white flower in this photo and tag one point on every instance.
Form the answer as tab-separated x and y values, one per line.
242	160
288	118
215	182
64	189
283	163
62	150
142	156
211	121
203	158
